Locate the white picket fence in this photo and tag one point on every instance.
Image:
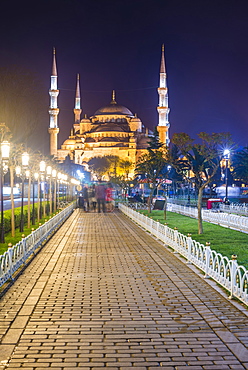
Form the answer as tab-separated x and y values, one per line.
240	209
230	220
225	272
17	255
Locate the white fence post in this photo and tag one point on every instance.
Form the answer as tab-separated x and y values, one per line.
175	244
207	259
233	271
189	246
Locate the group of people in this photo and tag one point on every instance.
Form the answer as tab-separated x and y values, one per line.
98	197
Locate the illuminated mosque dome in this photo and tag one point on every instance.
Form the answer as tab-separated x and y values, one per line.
113	109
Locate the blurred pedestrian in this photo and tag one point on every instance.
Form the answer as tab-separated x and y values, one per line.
137	197
92	197
86	198
109	198
101	196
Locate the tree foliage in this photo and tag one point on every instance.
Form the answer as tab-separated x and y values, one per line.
198	162
154	142
153	165
99	165
240	165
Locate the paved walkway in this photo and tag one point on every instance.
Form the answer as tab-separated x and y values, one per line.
103	293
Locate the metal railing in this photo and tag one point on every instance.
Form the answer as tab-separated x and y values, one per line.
241	209
17	255
230	220
225	272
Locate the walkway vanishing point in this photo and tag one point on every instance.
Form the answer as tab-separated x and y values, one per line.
104	293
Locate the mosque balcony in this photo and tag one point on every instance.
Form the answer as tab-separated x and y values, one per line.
54	93
53	111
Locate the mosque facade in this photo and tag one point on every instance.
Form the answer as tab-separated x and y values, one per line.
112	130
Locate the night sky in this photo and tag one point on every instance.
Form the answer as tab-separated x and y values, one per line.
117	45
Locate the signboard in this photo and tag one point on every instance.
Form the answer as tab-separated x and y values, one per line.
159	204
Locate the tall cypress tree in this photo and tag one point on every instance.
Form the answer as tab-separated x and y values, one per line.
154	142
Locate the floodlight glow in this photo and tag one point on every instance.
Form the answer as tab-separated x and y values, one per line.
5	147
226	153
49	170
25	159
42	166
18	170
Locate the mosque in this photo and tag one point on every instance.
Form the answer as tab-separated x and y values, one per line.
112	130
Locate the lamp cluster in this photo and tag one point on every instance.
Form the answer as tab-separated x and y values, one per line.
50	186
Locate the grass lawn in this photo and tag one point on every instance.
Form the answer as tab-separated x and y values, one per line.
223	240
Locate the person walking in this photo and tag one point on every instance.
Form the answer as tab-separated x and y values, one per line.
101	196
109	198
92	197
86	198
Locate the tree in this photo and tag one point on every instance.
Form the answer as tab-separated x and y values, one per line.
240	165
113	163
125	166
155	142
153	166
99	165
198	162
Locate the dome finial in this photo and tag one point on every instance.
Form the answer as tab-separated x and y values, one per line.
113	97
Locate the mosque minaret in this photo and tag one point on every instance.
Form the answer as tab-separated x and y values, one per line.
163	109
77	109
54	110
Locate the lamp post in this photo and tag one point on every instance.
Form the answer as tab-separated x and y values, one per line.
65	178
54	176
20	171
5	147
226	157
59	177
35	177
49	175
42	171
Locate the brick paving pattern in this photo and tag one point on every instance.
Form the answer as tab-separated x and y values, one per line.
104	293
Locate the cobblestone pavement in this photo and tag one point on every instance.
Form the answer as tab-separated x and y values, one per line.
104	293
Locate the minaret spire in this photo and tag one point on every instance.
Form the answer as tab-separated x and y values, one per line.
53	110
113	97
77	109
54	68
163	109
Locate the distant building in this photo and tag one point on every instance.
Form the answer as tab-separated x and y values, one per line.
112	130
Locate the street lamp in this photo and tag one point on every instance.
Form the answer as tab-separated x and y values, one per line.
54	176
20	171
49	175
36	178
42	171
226	157
28	176
5	147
